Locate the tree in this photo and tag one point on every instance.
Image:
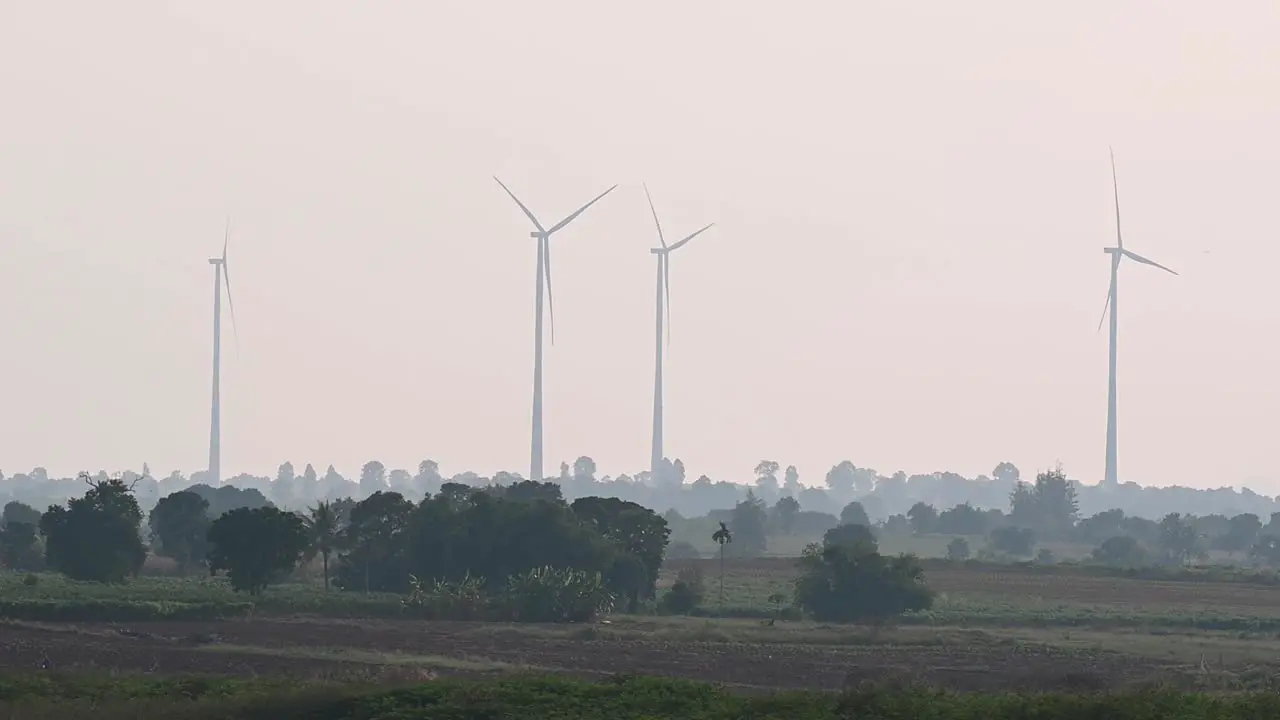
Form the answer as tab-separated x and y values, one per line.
923	517
791	480
1007	473
1016	541
1178	539
1055	502
95	537
854	514
1120	551
324	533
786	509
256	547
1266	550
958	549
722	537
845	479
963	519
749	521
767	476
686	592
1242	532
584	470
375	538
838	583
373	478
17	512
857	537
180	528
638	532
19	546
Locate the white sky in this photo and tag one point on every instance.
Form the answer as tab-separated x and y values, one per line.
906	271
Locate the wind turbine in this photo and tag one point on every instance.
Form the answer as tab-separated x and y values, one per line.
1117	254
221	275
543	236
663	298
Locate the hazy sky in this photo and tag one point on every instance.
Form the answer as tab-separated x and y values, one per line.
906	271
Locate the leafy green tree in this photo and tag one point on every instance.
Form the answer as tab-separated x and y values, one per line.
963	519
958	549
856	537
95	537
923	517
636	531
256	547
532	491
1242	532
1179	539
838	583
854	514
17	512
1121	551
1015	541
180	528
324	533
20	546
749	526
786	509
722	537
376	540
1266	550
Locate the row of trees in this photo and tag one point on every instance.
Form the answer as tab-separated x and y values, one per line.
882	495
376	544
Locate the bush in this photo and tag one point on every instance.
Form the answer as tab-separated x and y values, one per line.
463	599
1016	541
842	584
1120	551
550	594
958	549
685	594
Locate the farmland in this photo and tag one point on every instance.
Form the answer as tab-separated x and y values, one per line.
993	627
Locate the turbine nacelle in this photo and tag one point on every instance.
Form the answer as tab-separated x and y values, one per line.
216	261
658	251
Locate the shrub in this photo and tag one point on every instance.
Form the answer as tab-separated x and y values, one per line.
1015	541
685	594
464	599
958	549
843	584
549	594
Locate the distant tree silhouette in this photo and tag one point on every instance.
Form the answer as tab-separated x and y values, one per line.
95	537
324	533
722	537
180	527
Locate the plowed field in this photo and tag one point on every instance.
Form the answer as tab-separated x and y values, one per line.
321	647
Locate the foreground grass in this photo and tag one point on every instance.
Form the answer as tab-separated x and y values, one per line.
542	698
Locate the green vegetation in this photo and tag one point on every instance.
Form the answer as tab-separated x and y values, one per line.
543	698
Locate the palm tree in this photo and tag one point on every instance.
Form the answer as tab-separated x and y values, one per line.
325	534
723	537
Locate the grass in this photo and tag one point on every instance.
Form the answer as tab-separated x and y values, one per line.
365	657
547	698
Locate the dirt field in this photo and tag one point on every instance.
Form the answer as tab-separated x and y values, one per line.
322	647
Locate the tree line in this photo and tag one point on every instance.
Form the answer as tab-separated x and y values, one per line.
671	487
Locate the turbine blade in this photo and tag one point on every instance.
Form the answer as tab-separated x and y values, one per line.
528	213
546	267
687	239
655	216
666	287
226	238
579	211
1115	185
226	279
1145	261
1110	291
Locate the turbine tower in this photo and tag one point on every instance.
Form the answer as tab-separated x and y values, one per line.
663	298
543	236
221	275
1117	254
